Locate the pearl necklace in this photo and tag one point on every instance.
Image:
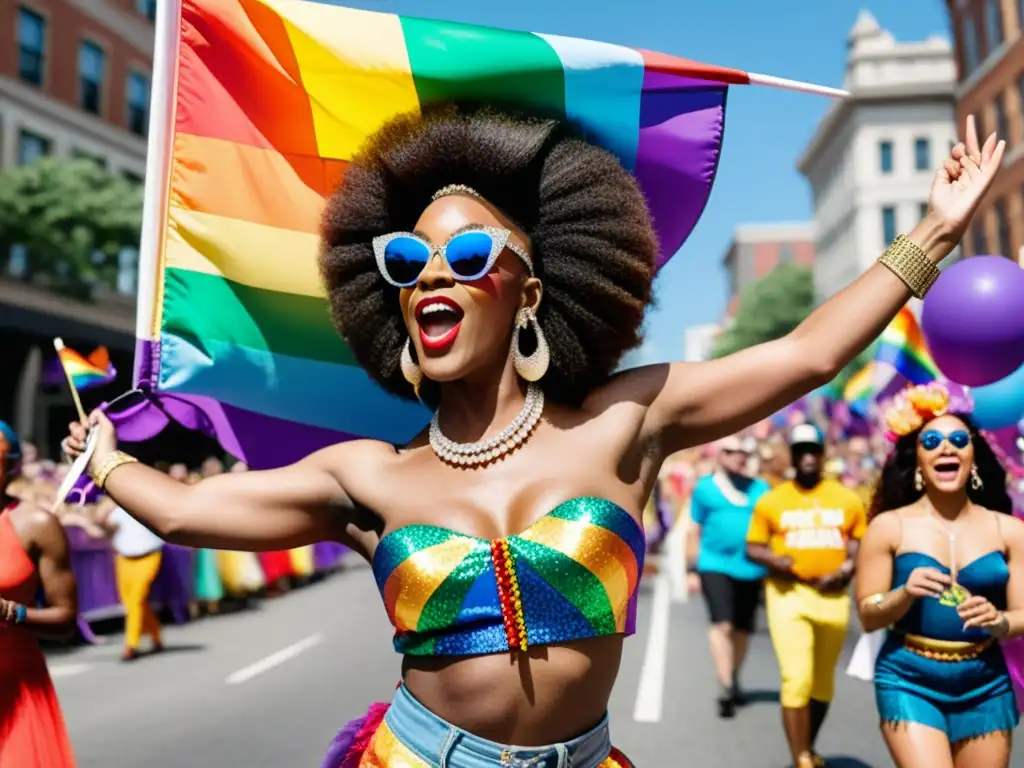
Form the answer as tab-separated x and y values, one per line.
510	438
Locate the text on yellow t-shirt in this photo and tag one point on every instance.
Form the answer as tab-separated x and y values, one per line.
811	526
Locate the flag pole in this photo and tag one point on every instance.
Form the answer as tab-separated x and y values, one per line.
58	344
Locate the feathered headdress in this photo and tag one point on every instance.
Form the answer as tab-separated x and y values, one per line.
915	406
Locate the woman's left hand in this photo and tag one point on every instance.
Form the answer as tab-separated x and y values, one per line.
980	613
963	179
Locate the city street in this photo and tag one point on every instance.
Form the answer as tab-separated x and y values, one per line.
268	688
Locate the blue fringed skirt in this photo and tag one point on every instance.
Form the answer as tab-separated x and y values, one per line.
963	699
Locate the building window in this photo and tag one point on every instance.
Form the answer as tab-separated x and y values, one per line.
922	155
31	46
138	103
1002	229
981	121
785	253
979	243
31	147
994	23
1002	124
128	271
91	66
885	156
17	261
147	8
970	41
888	225
922	210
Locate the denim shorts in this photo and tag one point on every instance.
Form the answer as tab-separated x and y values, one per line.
440	744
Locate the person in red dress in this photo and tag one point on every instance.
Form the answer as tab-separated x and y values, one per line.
34	553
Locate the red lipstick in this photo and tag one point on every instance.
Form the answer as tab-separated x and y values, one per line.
429	312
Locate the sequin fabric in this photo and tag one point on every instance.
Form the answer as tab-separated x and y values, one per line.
573	574
387	751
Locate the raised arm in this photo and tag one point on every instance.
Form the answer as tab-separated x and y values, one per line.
257	511
695	403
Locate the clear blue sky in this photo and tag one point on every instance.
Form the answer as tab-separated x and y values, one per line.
765	128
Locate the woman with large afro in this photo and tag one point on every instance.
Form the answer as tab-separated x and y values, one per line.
497	266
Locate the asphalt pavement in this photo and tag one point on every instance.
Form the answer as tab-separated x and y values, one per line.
268	688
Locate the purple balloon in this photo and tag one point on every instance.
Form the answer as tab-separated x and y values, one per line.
973	320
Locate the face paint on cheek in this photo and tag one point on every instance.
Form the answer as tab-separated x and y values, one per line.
494	284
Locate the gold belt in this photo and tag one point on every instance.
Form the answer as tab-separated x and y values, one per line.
945	650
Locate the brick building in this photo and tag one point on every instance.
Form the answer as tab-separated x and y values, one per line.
990	67
74	81
756	249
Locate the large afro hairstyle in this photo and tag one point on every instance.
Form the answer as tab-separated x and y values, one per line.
593	244
895	487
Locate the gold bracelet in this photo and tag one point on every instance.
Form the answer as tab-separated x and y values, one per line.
873	601
112	462
911	264
1003	626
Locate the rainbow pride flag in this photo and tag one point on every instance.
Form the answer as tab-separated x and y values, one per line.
862	388
87	372
903	348
258	105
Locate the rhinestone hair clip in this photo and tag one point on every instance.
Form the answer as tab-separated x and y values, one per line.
456	189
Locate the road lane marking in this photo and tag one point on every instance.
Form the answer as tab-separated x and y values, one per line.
68	670
651	690
274	660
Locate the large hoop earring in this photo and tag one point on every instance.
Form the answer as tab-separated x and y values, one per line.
411	372
918	479
976	482
533	366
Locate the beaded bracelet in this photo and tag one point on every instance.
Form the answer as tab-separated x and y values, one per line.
112	462
911	264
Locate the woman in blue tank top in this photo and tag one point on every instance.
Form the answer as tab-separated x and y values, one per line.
942	568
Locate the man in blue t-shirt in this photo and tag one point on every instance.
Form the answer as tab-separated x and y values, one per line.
720	510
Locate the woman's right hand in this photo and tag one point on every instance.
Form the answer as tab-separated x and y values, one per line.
106	439
927	582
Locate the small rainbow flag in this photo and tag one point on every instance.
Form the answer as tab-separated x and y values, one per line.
861	389
902	347
88	372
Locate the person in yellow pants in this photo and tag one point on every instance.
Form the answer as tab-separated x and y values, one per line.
805	532
139	554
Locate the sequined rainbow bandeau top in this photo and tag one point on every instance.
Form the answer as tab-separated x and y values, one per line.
573	574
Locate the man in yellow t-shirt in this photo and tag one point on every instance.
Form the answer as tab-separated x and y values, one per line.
805	532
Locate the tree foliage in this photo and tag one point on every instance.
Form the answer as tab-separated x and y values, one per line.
72	218
772	307
769	309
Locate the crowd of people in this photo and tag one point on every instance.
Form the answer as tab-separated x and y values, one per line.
494	264
926	532
137	553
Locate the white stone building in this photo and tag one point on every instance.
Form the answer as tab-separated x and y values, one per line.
871	159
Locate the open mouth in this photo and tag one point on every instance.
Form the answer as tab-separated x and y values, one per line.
947	469
439	320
